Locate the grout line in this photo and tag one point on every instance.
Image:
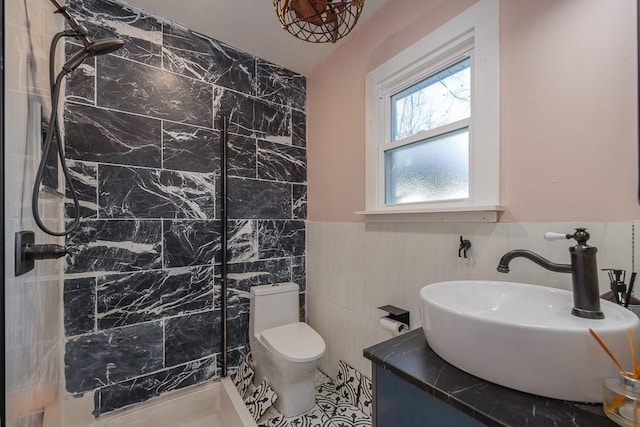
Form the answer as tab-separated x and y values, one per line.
162	144
164	343
162	240
98	216
213	174
215	112
191	219
160	321
95	82
180	365
293	202
102	107
95	304
162	46
257	148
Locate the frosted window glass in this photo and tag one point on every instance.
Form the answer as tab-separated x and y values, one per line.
433	169
435	101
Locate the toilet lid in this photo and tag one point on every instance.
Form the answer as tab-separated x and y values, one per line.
296	342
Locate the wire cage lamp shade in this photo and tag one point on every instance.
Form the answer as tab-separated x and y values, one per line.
318	21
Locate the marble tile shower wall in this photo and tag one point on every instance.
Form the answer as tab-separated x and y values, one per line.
141	297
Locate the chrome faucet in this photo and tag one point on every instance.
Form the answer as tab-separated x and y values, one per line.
583	269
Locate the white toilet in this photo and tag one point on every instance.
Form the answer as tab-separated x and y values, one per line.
285	351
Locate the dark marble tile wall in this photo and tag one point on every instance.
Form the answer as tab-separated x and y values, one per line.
142	305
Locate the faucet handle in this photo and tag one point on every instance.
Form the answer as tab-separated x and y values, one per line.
551	236
581	236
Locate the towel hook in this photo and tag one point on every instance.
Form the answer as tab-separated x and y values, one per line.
464	247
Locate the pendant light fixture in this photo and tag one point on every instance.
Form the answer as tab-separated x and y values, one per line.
318	21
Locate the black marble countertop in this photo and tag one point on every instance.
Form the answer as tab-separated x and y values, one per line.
410	357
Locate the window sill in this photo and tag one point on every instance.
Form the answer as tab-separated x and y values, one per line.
461	214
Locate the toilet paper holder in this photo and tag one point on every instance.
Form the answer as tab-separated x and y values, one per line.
396	313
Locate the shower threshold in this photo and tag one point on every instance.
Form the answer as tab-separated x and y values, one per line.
213	404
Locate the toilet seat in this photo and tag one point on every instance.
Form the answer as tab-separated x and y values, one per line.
295	342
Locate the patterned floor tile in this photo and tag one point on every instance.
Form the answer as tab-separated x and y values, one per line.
348	382
321	378
331	409
313	418
243	378
260	400
365	399
327	398
275	420
348	415
270	414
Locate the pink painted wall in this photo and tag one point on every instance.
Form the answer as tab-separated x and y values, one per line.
568	108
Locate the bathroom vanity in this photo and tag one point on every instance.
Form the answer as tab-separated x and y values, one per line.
413	386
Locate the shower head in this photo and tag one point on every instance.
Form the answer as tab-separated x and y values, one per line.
104	46
92	48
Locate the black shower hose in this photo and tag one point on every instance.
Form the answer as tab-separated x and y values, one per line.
55	84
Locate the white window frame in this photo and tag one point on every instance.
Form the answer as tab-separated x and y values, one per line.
475	34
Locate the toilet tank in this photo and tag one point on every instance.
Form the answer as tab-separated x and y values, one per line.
273	305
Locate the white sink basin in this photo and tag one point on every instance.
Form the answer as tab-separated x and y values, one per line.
524	337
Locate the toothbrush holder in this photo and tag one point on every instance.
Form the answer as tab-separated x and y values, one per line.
622	400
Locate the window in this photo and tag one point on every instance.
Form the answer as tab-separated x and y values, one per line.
433	121
435	167
438	100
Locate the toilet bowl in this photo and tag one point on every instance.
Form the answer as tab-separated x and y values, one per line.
286	352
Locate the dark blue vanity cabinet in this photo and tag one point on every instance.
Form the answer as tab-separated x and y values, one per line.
399	403
414	387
